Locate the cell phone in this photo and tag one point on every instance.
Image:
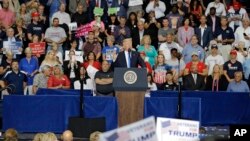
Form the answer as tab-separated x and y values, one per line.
244	34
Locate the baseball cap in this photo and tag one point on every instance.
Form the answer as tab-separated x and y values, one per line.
195	53
233	52
35	14
214	46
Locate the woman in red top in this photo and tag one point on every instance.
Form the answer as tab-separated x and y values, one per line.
195	8
58	80
91	65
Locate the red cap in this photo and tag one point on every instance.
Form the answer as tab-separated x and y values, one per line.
233	52
35	14
236	5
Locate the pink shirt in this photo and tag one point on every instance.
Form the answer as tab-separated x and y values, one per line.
95	22
7	17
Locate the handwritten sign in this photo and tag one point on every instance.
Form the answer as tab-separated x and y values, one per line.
98	11
177	130
83	30
112	10
78	55
72	26
37	48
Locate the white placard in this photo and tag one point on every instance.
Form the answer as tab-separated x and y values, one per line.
168	129
143	130
72	26
135	2
78	55
12	46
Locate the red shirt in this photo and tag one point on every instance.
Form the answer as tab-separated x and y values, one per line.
54	81
96	65
200	66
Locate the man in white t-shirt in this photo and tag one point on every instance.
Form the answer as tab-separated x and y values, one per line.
214	58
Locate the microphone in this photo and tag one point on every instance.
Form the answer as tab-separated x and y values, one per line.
178	55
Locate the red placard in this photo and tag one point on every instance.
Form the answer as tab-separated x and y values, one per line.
37	48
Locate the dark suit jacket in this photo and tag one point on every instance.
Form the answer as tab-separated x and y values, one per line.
188	82
136	37
67	70
222	83
134	61
210	22
207	35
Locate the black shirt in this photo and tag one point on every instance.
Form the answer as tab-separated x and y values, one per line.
104	89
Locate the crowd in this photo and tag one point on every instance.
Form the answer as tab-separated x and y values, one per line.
199	44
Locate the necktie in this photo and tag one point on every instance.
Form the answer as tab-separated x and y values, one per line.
128	60
194	76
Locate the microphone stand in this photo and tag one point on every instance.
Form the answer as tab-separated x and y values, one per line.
179	106
82	112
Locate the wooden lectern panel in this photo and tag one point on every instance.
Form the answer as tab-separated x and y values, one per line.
131	105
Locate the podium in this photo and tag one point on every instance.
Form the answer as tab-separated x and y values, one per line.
130	85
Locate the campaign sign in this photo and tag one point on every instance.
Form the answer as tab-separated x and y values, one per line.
112	10
168	129
37	48
72	26
12	46
78	55
98	11
83	30
143	130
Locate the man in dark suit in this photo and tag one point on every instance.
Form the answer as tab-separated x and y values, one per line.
212	20
204	33
138	34
194	81
128	58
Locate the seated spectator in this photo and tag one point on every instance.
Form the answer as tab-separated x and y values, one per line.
170	85
148	49
58	54
220	8
104	80
11	135
67	136
14	79
6	63
58	80
49	137
151	85
87	81
174	18
41	79
194	81
110	51
216	81
99	33
238	85
201	67
164	31
121	31
242	33
241	51
29	65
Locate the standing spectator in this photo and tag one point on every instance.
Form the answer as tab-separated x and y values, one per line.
99	33
212	20
137	36
164	31
182	8
204	33
174	18
238	85
110	52
216	81
220	8
149	50
62	16
195	8
131	23
134	6
35	27
87	82
29	65
185	33
232	66
15	78
112	23
74	6
43	18
104	80
158	6
213	59
50	60
80	16
21	32
151	85
100	4
24	14
55	34
225	36
54	6
170	84
194	81
58	80
6	63
242	33
41	79
241	51
193	47
71	68
14	5
7	17
121	31
91	64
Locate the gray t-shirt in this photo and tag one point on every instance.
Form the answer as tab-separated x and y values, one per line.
55	33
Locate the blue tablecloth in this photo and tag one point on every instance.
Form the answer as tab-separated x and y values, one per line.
43	91
221	108
51	113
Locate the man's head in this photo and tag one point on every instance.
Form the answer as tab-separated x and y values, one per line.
80	8
35	16
10	32
193	69
212	11
62	7
214	49
14	65
105	66
46	70
140	25
67	136
224	21
203	19
194	40
127	44
233	54
195	56
5	4
55	22
169	38
238	76
165	22
122	21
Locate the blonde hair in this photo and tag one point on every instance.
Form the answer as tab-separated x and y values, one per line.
11	134
145	37
28	50
38	137
111	38
49	137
